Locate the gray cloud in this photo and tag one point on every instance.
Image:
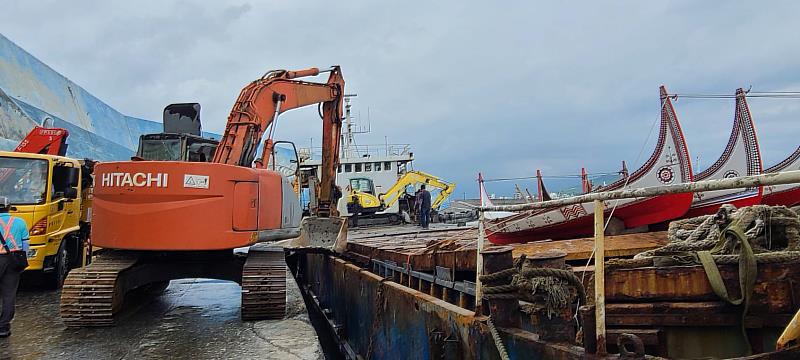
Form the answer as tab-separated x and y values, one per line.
502	88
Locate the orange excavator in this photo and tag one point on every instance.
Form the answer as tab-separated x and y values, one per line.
173	213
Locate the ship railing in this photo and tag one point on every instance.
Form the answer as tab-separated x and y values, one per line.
359	151
770	179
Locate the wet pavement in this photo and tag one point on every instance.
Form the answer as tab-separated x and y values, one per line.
193	318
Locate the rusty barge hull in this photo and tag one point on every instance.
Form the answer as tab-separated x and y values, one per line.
402	295
374	317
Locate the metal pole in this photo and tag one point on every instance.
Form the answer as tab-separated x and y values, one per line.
479	263
599	277
779	178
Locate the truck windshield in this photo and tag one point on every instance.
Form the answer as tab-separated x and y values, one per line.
167	149
23	181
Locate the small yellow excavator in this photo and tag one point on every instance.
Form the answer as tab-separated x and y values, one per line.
363	201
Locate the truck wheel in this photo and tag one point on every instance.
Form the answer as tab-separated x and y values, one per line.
55	278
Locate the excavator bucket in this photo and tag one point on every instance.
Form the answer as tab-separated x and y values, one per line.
322	233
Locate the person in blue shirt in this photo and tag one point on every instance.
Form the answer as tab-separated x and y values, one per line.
15	233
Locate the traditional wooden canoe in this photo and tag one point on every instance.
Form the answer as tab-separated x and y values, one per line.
741	157
787	195
669	164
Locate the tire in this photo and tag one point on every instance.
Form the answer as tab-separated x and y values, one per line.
54	279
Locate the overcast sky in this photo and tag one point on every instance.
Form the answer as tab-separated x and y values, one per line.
499	87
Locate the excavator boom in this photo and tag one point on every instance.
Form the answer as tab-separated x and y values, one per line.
258	107
418	177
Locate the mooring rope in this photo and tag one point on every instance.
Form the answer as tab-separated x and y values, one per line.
498	342
494	292
745	237
760	223
523	284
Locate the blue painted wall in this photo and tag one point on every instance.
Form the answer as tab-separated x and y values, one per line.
31	91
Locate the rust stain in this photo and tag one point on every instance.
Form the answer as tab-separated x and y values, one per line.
601	345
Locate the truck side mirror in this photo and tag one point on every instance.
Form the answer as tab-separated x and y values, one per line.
73	177
71	193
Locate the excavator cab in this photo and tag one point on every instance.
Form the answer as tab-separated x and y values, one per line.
182	137
363	185
362	197
175	147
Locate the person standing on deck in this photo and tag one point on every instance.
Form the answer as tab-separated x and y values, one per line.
418	206
425	207
14	233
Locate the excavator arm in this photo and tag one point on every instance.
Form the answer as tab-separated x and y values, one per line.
257	109
418	177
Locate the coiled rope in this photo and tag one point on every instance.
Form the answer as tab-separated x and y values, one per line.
518	280
745	237
523	285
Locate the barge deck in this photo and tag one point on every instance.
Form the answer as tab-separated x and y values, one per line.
399	292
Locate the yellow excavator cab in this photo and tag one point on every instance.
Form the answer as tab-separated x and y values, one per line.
362	196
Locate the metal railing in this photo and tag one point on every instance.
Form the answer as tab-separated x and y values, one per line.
779	178
359	151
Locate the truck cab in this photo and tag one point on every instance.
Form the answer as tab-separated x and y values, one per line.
47	192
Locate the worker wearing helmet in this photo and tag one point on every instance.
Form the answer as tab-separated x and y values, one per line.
13	240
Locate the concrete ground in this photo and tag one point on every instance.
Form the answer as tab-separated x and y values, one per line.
194	318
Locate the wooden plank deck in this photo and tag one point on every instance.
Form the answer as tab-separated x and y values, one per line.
447	246
581	249
454	247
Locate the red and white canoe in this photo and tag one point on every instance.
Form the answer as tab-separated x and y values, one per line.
789	194
741	157
669	164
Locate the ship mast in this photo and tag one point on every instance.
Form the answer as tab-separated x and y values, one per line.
347	135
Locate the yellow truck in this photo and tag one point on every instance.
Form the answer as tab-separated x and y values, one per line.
53	195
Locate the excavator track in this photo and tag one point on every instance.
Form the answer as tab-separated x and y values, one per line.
264	284
92	294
